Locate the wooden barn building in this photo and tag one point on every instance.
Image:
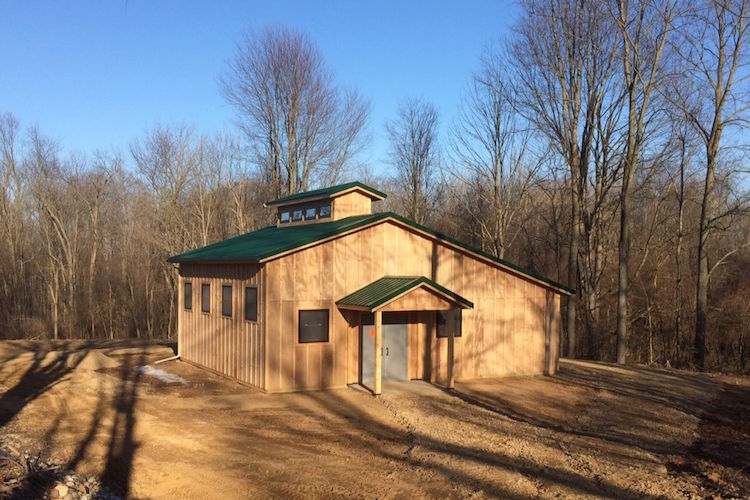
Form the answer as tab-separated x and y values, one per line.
334	294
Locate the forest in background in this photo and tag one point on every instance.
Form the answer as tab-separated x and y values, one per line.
603	144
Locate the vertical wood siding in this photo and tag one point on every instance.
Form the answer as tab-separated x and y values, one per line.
231	346
349	204
513	328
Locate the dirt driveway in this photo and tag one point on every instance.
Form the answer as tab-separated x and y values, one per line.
592	431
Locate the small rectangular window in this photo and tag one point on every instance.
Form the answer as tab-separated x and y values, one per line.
310	213
297	214
313	326
206	298
284	216
226	300
188	295
251	303
325	210
442	318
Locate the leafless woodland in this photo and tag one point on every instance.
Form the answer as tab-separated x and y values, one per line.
604	144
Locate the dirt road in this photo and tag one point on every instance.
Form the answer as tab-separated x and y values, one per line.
592	431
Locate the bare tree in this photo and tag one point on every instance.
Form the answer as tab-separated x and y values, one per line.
96	187
13	199
166	160
713	47
414	154
644	28
300	125
60	222
492	155
563	56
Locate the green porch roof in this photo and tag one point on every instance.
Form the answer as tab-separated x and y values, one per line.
387	288
265	243
327	192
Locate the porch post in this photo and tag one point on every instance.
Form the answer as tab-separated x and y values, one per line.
378	349
450	327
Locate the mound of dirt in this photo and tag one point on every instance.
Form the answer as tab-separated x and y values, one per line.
91	360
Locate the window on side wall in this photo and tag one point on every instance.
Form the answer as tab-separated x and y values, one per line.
310	213
313	326
297	214
251	303
284	216
188	293
441	318
226	301
206	298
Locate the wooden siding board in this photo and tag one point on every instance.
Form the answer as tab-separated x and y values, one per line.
211	340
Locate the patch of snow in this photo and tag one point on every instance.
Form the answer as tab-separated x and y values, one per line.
158	373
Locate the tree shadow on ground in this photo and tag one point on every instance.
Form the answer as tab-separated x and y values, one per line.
720	457
627	390
393	445
46	370
646	399
118	408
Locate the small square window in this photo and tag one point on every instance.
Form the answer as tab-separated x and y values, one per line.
284	216
297	214
442	318
226	300
310	213
313	326
188	293
325	210
251	303
206	298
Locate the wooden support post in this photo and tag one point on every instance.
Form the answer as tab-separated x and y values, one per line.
378	353
450	328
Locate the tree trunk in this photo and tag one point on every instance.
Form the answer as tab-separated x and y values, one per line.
680	344
622	282
701	295
575	215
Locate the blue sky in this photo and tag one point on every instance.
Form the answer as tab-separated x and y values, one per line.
95	75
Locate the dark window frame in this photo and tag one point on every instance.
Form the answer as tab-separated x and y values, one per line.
255	319
320	210
187	296
440	332
301	214
315	213
288	214
327	326
226	303
205	309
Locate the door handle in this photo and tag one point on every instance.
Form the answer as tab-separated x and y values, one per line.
386	351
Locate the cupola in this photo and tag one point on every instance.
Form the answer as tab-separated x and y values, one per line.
325	204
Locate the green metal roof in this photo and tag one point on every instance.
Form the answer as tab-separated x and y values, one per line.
328	192
270	241
385	289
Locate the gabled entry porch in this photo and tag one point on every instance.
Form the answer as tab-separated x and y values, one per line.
386	306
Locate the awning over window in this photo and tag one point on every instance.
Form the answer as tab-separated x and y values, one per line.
403	293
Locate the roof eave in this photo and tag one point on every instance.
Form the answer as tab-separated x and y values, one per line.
176	260
371	193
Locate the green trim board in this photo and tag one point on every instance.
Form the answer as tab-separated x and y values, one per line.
272	241
328	192
388	288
